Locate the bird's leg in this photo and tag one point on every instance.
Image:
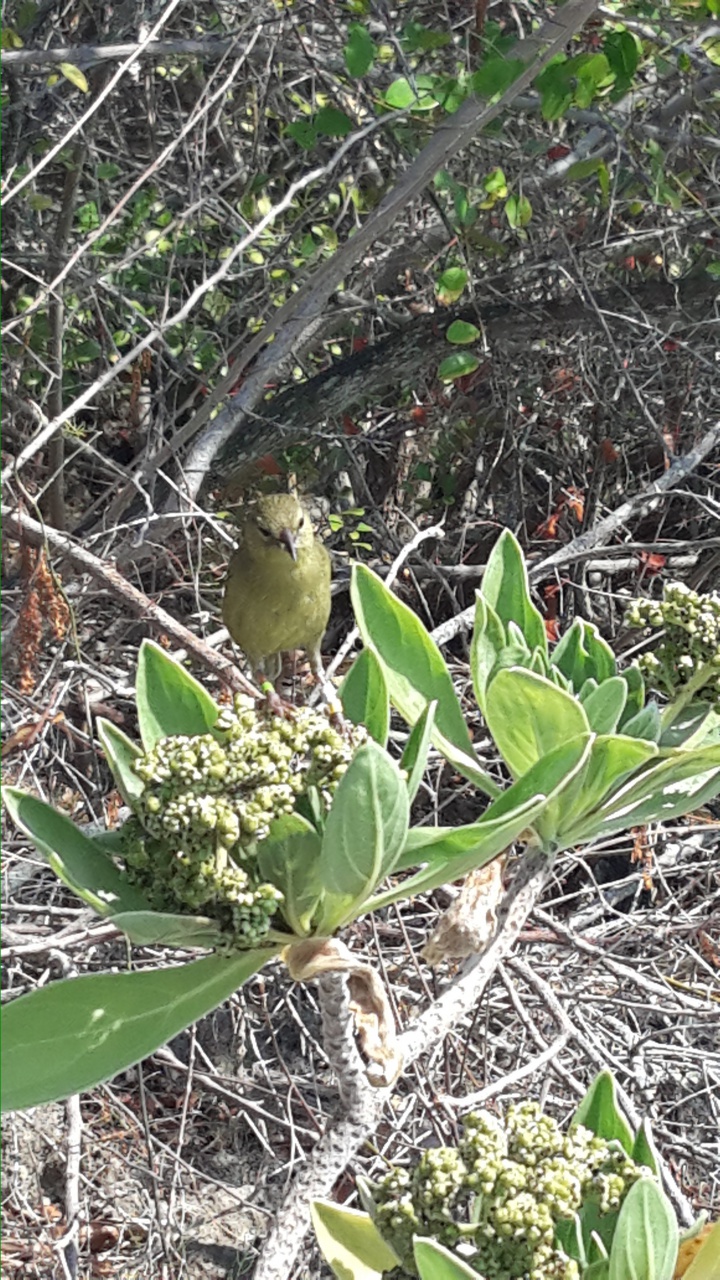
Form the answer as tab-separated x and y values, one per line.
274	705
328	692
267	677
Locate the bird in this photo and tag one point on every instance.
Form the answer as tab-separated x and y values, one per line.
277	591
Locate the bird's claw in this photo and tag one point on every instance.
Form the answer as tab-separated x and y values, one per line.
274	705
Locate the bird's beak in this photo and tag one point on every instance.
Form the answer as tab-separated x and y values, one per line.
288	542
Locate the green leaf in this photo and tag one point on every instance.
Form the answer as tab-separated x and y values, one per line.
420	39
106	170
643	1151
350	1242
697	725
364	696
645	1243
359	52
518	211
435	1262
120	751
364	833
582	653
599	1112
604	706
612	758
487	646
415	670
400	95
555	88
592	70
451	284
70	1035
458	365
453	851
636	694
456	850
290	858
704	1265
528	716
669	787
75	858
495	76
583	169
169	700
148	928
621	50
505	588
303	132
647	724
333	123
417	746
74	75
461	332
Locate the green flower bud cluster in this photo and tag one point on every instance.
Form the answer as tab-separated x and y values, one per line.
209	799
691	641
497	1196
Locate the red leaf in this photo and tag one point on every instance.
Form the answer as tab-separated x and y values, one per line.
558	152
552	629
608	452
349	427
268	465
652	561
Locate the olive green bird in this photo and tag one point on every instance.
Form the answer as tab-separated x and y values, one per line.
277	593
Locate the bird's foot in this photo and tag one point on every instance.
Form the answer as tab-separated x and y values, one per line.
274	705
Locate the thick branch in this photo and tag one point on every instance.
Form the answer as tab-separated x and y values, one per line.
346	1133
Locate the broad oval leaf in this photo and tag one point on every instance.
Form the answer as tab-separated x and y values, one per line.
148	928
120	751
435	1262
415	670
528	717
350	1242
75	858
70	1035
605	705
364	833
697	725
645	1243
582	654
458	365
505	587
75	76
364	696
359	52
612	758
646	725
599	1112
461	332
290	858
169	700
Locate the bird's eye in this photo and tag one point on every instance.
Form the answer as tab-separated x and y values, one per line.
302	522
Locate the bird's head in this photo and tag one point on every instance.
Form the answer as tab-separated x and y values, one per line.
278	520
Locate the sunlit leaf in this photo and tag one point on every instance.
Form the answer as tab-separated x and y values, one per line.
169	700
69	1035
